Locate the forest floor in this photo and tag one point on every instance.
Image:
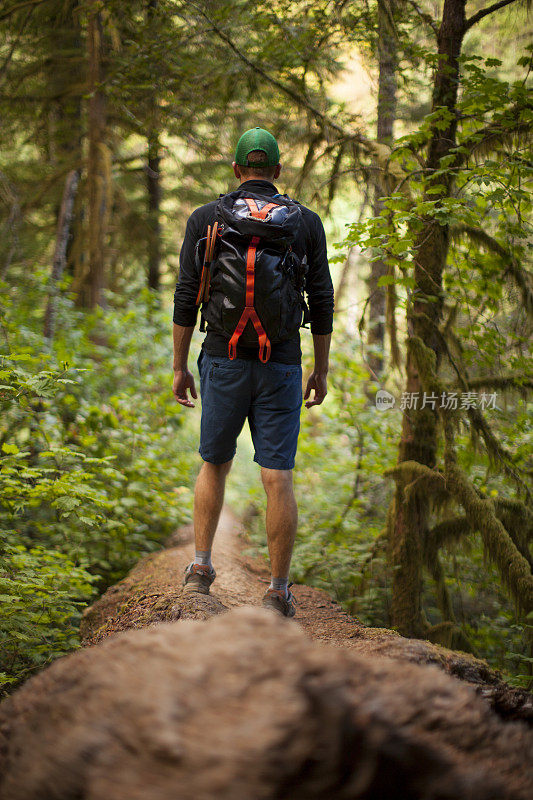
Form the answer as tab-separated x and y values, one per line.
152	592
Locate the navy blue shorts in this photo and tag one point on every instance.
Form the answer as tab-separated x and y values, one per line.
270	395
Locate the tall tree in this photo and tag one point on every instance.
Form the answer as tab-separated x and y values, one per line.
409	515
386	114
90	280
153	177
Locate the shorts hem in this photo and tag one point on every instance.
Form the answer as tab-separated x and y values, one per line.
273	464
216	459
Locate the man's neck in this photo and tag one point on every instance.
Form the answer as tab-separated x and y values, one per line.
256	178
267	185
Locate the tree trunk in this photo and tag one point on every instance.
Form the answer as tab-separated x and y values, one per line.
388	63
419	425
342	289
90	282
153	184
60	254
65	77
70	120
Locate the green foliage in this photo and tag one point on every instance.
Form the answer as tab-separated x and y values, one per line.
95	466
489	194
41	596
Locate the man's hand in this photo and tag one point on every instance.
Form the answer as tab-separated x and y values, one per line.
184	380
318	382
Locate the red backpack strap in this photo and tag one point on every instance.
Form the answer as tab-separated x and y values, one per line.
249	312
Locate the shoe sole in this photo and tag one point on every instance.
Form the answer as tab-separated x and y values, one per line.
273	606
191	587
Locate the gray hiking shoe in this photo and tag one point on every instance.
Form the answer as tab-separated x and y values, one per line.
276	600
198	578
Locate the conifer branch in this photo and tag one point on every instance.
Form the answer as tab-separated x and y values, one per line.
427	18
19	6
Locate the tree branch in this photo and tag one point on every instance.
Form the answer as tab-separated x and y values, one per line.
514	569
9	56
428	19
486	140
448	530
288	90
18	6
513	379
495	449
484	12
377	150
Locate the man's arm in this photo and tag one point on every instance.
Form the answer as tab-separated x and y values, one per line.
185	308
185	313
183	378
320	296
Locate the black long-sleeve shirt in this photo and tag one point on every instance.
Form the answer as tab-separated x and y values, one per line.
311	241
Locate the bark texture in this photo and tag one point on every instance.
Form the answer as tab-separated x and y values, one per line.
246	705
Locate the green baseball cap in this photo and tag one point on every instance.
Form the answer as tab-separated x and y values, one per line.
257	139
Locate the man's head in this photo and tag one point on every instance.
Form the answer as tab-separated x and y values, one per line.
257	156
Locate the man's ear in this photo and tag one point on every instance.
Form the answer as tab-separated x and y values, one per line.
277	172
236	170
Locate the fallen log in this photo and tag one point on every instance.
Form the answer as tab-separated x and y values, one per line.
152	593
188	696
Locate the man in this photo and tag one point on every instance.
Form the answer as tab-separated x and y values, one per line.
268	393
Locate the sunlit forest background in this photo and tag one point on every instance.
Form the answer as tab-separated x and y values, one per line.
407	126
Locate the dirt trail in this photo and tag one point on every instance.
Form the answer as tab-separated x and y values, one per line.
152	593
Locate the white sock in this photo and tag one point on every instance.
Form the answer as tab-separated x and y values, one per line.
280	584
203	557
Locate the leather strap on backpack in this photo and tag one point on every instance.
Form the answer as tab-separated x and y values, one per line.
203	290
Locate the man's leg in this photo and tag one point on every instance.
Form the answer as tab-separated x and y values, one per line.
274	418
208	500
281	521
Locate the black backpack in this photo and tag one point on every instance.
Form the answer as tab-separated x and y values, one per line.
252	281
